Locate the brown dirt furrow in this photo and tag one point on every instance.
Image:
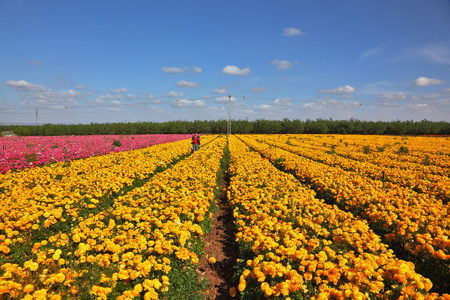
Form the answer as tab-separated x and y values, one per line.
220	244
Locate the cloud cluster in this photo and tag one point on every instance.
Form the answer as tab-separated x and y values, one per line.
392	96
346	89
425	97
174	94
181	103
221	90
119	91
44	96
425	81
22	85
175	70
117	96
188	84
291	31
283	102
281	64
233	70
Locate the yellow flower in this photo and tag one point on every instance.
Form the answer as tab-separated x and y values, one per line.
151	294
60	277
242	285
28	288
76	238
212	260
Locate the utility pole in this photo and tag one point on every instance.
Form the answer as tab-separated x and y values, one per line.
36	116
229	116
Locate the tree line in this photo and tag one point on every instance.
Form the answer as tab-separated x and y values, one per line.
262	126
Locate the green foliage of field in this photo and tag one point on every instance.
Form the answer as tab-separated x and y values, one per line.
261	126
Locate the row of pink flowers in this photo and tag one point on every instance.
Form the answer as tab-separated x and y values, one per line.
25	152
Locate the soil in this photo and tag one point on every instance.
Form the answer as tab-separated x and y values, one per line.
220	244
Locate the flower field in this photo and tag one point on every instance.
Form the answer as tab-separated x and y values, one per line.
315	217
30	151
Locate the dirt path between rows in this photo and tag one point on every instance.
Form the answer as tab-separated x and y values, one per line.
220	244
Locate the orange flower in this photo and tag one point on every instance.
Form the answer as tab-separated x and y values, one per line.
233	291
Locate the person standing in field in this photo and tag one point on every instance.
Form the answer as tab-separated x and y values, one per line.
195	142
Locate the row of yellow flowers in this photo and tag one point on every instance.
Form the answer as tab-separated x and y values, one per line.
126	250
298	247
408	153
40	197
418	176
416	222
428	154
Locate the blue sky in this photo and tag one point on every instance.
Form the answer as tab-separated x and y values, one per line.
128	61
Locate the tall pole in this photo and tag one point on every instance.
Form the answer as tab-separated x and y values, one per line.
229	116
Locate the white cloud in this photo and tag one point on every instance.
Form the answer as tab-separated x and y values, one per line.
282	64
50	94
118	91
264	106
110	97
311	106
22	85
284	102
221	90
174	70
130	97
447	90
180	103
351	103
188	84
259	90
174	94
80	87
291	31
233	70
196	69
424	81
55	99
116	103
340	90
426	97
392	96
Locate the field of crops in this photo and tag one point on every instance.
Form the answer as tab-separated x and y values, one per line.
31	151
315	217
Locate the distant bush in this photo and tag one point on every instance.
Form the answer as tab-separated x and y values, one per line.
22	131
259	126
117	143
